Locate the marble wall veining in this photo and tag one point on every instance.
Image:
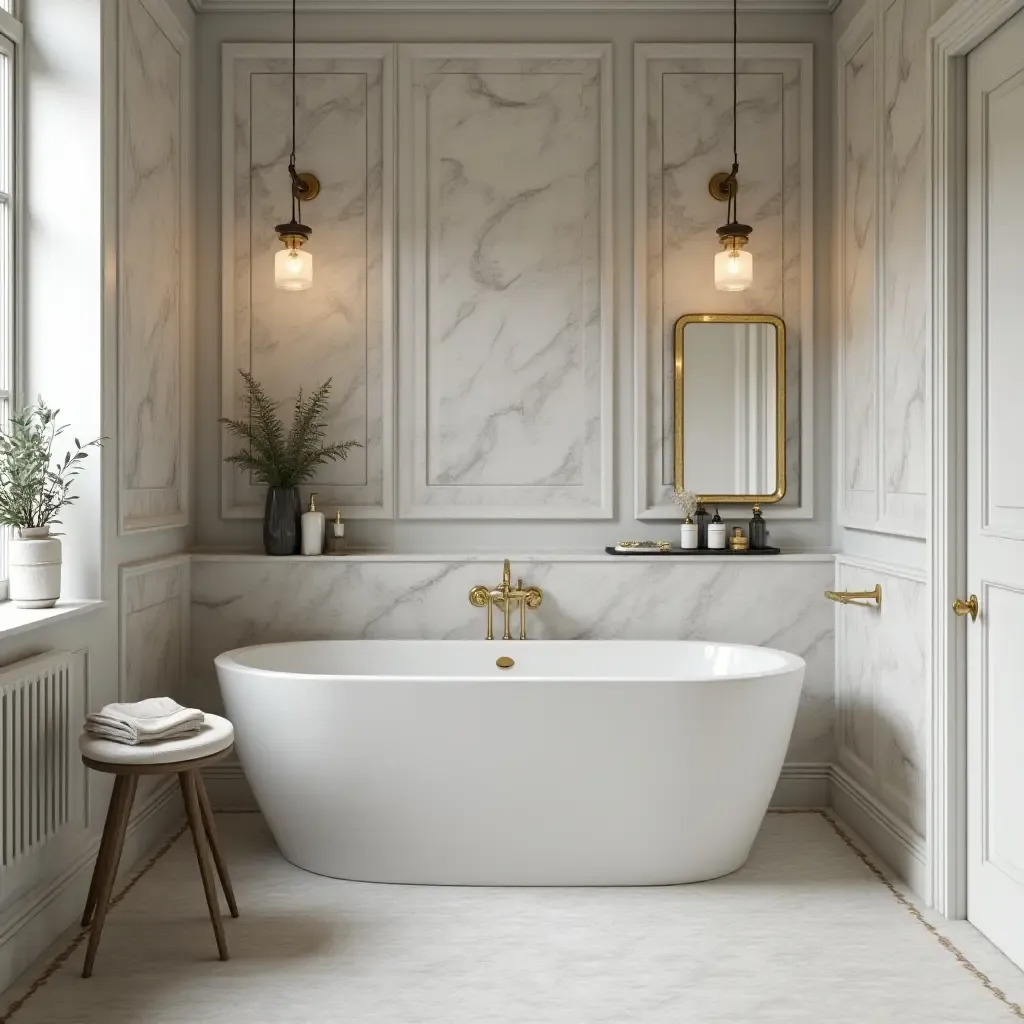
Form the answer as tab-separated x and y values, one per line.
881	688
506	341
153	327
686	122
340	328
883	443
776	603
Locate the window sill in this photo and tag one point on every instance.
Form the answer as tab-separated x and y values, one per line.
14	621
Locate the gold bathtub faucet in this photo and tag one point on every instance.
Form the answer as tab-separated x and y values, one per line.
484	597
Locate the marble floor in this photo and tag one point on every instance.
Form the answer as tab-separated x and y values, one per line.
807	931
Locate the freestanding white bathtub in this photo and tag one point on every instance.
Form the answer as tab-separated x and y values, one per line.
585	763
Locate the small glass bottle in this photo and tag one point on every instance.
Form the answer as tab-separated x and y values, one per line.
701	515
758	531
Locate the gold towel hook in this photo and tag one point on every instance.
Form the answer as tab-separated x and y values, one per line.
856	596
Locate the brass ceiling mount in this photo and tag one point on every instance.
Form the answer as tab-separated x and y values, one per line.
306	186
722	186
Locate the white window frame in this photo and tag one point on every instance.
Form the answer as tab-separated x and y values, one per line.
11	40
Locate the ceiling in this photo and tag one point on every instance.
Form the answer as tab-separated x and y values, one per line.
513	5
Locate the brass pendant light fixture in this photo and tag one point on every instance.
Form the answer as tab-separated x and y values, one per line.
734	265
293	265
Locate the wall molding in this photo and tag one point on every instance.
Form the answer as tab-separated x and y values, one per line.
375	6
866	810
148	509
799	785
950	39
645	375
878	510
344	58
901	849
133	599
425	492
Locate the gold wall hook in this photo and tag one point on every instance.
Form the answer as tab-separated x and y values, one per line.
856	596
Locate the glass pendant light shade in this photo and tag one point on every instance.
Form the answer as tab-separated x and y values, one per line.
734	270
293	269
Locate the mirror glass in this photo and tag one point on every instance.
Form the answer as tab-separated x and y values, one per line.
730	407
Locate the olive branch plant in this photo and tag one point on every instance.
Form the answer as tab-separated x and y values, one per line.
34	486
278	457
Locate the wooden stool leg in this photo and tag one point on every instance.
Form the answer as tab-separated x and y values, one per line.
122	783
189	793
107	863
211	835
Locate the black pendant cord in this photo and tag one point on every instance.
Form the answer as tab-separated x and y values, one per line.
735	186
291	161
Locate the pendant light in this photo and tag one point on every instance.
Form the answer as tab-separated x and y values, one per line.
293	265
734	265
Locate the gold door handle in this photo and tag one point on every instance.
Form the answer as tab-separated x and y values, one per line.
968	607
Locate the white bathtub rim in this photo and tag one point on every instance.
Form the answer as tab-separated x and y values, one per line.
228	660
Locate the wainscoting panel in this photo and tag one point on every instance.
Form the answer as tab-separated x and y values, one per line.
506	304
154	628
154	323
342	327
882	223
882	688
42	787
683	135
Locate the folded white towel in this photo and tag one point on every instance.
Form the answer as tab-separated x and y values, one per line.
146	721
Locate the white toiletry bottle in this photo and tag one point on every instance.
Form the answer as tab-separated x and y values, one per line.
716	533
313	528
338	528
688	535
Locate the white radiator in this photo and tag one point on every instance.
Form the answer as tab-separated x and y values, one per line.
41	706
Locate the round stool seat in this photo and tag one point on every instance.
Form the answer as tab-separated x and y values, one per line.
214	735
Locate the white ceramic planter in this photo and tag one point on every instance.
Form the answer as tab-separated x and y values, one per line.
35	559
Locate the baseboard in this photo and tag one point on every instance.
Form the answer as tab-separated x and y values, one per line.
800	785
902	850
228	788
36	920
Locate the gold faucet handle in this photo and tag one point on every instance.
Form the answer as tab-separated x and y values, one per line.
532	596
479	596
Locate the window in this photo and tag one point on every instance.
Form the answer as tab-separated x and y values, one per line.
10	95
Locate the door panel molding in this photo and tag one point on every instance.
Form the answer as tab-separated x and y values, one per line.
950	39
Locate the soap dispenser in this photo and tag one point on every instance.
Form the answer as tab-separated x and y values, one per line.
313	527
716	533
758	531
338	531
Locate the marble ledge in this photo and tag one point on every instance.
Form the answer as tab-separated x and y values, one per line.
15	621
549	556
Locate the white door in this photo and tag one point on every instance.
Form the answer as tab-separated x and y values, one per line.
995	487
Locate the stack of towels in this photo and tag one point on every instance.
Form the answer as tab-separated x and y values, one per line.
148	721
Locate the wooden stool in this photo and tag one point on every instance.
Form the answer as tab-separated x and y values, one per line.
184	757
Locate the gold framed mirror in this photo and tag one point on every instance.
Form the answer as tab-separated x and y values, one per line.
730	407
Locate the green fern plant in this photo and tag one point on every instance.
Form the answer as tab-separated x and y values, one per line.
274	456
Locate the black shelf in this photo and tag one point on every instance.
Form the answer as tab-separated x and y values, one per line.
692	551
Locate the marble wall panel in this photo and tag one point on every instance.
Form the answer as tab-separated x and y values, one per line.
882	688
239	601
882	165
858	376
687	123
153	323
904	286
154	628
508	347
341	327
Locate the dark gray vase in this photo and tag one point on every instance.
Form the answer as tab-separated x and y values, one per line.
281	521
